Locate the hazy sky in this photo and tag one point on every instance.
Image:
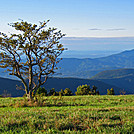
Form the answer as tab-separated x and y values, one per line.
76	18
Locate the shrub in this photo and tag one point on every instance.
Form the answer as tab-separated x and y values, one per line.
61	93
110	92
41	91
53	92
93	91
86	90
83	90
67	92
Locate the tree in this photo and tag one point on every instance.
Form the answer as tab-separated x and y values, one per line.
68	92
32	55
83	90
52	92
94	88
61	92
41	91
110	92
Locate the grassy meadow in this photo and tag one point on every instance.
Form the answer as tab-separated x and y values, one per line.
68	114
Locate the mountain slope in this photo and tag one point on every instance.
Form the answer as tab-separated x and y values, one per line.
10	86
123	78
58	84
86	68
111	74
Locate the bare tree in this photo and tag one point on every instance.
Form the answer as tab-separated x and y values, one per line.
32	54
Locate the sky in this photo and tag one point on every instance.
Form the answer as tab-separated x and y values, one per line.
106	21
76	18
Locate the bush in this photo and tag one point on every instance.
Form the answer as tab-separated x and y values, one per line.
83	90
68	92
86	90
41	91
110	92
61	93
93	91
53	92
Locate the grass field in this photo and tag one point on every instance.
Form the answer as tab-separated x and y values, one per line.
73	114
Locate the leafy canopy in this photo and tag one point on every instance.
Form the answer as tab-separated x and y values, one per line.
31	54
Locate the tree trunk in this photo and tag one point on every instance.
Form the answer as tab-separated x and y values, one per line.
29	96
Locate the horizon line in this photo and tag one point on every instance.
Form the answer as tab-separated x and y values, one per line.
98	37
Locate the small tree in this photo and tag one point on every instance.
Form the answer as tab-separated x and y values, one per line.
94	92
41	91
61	93
68	92
31	55
83	90
52	92
110	92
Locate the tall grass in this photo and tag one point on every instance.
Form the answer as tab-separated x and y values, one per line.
72	114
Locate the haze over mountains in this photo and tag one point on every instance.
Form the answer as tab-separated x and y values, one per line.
114	71
88	54
98	43
86	68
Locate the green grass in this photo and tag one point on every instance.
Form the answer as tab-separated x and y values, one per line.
73	114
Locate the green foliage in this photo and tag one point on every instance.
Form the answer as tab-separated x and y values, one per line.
67	92
41	91
93	91
86	90
39	46
83	90
110	92
61	93
52	92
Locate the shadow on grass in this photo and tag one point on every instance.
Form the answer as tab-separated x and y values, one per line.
111	125
115	118
13	126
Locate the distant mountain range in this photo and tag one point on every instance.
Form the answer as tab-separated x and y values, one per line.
87	54
86	68
115	71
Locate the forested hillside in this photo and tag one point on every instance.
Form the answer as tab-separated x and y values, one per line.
123	78
118	73
86	68
58	84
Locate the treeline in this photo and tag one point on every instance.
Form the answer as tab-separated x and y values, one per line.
81	90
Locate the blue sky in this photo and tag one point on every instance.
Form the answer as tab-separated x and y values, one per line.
76	18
